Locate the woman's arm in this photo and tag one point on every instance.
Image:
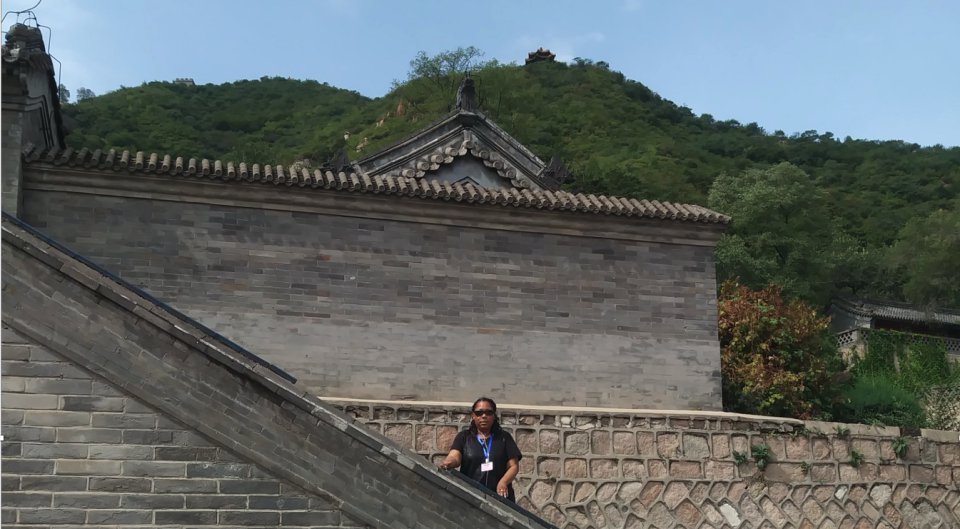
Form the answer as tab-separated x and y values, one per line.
452	460
512	468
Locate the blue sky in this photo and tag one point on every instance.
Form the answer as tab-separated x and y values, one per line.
869	69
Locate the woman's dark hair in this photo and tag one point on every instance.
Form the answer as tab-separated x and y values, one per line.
495	428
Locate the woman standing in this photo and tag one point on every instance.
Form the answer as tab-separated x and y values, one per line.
486	453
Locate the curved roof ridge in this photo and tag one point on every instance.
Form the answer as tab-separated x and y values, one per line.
227	171
897	310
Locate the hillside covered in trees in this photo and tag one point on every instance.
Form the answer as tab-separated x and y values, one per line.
812	213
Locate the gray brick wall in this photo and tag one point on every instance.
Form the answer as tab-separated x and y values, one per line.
80	451
176	367
26	119
365	308
11	132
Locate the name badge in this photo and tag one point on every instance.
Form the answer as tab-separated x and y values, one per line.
486	467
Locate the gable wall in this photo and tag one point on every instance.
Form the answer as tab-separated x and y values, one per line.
26	118
78	450
468	167
365	308
11	132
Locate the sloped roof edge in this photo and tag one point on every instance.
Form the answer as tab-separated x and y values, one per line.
187	331
894	310
450	116
523	162
404	139
153	164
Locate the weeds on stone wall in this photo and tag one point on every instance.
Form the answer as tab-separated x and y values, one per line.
879	401
739	457
900	445
761	454
856	458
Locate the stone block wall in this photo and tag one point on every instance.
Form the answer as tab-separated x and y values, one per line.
80	451
596	470
382	309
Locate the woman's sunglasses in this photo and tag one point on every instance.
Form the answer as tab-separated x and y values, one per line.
480	413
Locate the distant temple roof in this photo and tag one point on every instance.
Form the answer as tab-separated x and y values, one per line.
894	310
540	55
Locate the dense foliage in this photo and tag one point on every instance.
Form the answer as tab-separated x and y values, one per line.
778	235
827	221
777	356
880	401
927	256
898	372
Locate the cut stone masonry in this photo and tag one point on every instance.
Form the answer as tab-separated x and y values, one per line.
643	469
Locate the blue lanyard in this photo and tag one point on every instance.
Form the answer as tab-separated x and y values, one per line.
486	446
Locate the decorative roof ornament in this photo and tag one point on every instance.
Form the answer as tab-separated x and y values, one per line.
555	174
540	55
339	162
24	52
25	43
467	95
25	37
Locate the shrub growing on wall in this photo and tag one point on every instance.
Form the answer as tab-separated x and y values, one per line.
879	401
777	355
910	366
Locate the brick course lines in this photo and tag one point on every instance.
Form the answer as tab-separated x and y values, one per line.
86	473
389	309
196	421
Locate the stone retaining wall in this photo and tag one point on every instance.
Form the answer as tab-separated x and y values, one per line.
610	470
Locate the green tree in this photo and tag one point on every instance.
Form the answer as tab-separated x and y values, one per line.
855	267
64	94
780	232
927	253
778	357
84	93
432	81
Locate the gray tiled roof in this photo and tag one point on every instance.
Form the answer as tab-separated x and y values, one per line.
140	163
894	310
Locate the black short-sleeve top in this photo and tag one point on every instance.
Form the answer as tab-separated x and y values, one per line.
502	449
